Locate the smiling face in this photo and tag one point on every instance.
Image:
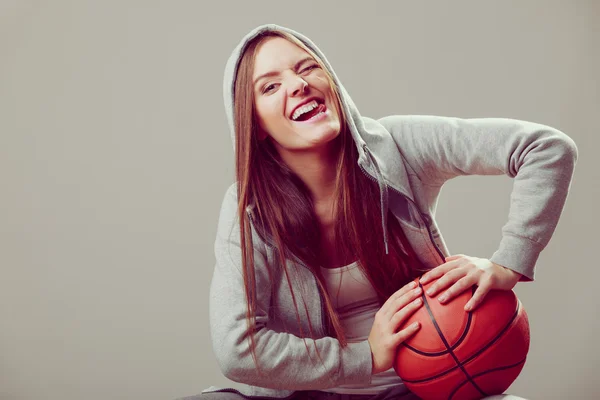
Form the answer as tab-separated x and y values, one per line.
294	102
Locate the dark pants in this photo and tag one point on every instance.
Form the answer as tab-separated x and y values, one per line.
389	394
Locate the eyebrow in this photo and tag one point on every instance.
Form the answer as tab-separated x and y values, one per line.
275	73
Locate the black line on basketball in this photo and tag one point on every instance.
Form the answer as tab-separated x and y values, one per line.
495	339
455	345
508	325
450	351
486	372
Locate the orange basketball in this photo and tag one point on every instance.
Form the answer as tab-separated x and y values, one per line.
459	355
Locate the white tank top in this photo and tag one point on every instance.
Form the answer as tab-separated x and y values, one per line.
356	302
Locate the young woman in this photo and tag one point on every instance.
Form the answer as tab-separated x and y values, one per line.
332	215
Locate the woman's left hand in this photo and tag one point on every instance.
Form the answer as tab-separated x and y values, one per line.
462	272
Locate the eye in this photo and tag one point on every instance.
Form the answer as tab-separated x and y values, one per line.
268	88
310	67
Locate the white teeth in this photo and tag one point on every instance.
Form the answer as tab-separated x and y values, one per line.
304	109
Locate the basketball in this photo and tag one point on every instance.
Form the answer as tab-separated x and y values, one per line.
459	355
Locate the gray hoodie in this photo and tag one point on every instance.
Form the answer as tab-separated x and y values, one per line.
411	157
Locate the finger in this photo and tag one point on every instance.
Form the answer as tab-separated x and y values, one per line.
400	299
454	257
460	286
403	290
478	296
404	300
438	271
403	334
402	315
446	280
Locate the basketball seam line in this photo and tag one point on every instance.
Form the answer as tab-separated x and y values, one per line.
473	356
441	353
487	372
451	351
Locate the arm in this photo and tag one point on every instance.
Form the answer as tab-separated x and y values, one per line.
541	160
282	356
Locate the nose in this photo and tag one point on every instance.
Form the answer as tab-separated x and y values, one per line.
298	86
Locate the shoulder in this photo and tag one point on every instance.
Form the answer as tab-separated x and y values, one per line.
405	125
228	227
228	213
229	199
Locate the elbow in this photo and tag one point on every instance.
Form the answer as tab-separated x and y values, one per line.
567	148
227	361
573	151
231	373
235	367
240	367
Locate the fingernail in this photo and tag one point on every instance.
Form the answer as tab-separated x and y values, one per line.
430	291
412	284
417	302
442	299
468	307
415	325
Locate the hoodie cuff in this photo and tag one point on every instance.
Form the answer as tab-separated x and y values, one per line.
519	254
357	364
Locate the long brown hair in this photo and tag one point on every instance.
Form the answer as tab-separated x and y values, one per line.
282	209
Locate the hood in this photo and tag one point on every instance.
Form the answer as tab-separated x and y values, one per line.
362	129
355	120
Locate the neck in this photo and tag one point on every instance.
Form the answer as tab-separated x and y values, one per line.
316	168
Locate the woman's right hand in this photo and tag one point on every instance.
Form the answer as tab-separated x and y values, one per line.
385	337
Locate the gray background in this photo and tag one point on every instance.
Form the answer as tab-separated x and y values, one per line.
115	154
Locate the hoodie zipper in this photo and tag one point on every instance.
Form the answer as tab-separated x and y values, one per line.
324	323
439	252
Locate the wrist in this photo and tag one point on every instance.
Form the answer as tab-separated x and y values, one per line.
373	368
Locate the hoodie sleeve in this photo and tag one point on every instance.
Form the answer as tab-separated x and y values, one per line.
541	159
283	357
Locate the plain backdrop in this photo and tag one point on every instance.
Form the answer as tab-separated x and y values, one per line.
115	155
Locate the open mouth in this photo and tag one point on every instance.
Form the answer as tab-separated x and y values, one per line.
309	111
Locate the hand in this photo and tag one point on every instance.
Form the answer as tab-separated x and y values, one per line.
384	337
462	272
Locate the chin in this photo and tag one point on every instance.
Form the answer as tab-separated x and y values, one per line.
324	136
